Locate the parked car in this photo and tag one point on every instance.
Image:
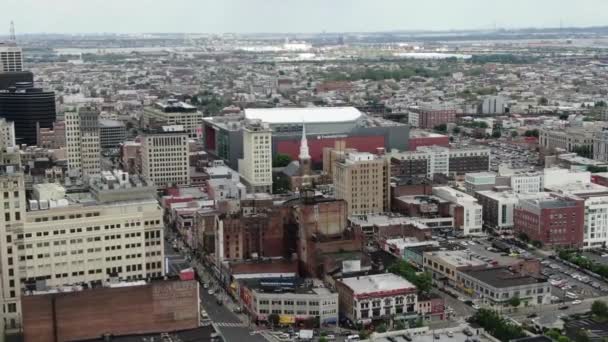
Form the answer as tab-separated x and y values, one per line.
576	302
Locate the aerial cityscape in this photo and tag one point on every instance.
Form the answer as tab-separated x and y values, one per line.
312	178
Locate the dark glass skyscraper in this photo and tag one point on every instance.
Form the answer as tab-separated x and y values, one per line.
25	106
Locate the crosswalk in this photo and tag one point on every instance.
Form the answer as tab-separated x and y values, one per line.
231	325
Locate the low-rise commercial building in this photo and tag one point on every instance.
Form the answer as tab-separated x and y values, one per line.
290	298
496	286
377	297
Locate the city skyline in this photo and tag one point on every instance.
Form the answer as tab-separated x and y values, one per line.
275	16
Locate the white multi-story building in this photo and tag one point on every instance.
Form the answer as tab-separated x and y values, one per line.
114	230
526	182
82	141
494	105
379	296
256	165
265	297
164	156
7	133
555	177
11	58
439	159
471	221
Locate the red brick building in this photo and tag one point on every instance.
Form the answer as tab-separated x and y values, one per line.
430	118
423	138
81	315
557	221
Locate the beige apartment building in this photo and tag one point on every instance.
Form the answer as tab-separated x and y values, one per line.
256	165
363	181
164	156
112	231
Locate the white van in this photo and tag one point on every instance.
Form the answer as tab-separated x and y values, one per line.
352	338
571	295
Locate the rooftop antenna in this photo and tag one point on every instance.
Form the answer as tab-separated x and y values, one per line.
12	37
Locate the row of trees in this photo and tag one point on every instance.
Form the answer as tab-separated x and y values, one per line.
379	74
422	280
584	262
496	325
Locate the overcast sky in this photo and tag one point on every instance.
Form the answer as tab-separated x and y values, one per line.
246	16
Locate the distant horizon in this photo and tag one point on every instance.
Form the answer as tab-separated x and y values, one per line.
464	30
294	17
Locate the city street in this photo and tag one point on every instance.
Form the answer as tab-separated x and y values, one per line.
231	326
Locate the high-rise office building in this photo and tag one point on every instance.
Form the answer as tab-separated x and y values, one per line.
164	156
25	106
256	165
82	141
363	181
11	57
12	213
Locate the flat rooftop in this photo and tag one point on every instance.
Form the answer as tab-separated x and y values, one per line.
417	133
502	277
304	115
457	258
581	189
377	283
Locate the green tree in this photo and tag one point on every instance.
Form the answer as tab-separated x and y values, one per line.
531	133
363	334
563	338
322	339
456	130
381	328
537	244
441	128
514	301
514	134
399	325
281	160
543	101
553	333
496	325
424	282
496	134
600	309
582	336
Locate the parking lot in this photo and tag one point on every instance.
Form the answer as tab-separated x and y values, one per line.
568	279
568	283
516	156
